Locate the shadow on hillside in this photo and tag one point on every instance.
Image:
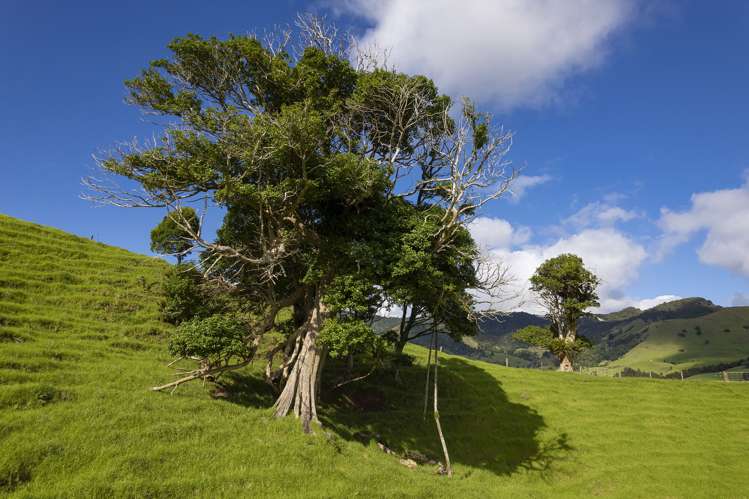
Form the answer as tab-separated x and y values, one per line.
482	427
244	389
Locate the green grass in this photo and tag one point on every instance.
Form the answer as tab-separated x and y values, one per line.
680	344
81	343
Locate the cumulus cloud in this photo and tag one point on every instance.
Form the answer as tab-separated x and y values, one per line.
493	233
610	254
524	182
507	52
724	216
642	304
600	214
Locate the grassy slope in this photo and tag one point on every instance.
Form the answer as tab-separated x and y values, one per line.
80	347
722	336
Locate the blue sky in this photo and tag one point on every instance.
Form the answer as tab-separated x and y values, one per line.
630	116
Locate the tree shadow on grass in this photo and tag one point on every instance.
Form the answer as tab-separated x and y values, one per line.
483	429
244	388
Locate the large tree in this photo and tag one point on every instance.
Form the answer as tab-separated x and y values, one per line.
318	166
566	289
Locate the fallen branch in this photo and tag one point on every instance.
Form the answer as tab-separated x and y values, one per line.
359	378
203	372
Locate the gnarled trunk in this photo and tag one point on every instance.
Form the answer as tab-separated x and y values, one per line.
565	363
565	360
302	386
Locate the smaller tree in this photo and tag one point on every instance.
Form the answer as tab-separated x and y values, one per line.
566	289
172	235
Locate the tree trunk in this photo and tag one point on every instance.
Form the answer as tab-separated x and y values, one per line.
565	361
398	348
301	390
565	364
448	466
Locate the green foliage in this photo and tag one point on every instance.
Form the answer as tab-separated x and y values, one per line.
436	282
348	336
544	337
217	338
559	346
170	236
186	295
535	335
565	284
352	303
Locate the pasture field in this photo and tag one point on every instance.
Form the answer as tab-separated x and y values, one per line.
81	343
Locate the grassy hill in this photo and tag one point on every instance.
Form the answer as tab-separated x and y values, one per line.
81	343
680	344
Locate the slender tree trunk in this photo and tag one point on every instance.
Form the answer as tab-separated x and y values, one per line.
404	333
400	344
448	466
300	393
426	384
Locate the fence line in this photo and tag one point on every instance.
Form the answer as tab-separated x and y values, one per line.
624	372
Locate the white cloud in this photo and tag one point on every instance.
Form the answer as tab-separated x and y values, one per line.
740	300
611	255
614	304
601	214
508	52
491	233
521	184
724	216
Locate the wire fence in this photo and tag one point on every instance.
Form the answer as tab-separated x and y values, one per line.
625	372
735	375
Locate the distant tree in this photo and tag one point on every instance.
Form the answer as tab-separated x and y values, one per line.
566	289
172	235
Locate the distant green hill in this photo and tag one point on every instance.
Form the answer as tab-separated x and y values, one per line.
680	344
81	343
614	338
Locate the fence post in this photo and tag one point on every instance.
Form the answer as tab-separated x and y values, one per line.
650	373
725	376
682	375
